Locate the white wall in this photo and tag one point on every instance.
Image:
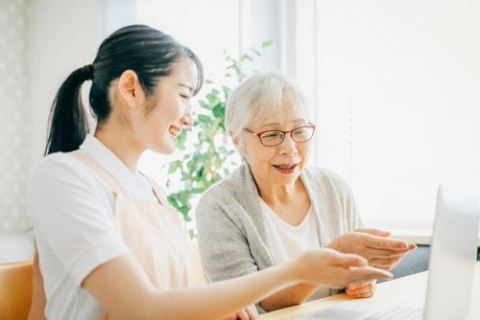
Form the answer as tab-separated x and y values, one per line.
234	26
13	132
62	36
48	39
398	99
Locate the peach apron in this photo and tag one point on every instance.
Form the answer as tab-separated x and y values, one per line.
152	230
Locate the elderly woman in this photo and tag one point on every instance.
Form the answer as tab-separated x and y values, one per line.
274	206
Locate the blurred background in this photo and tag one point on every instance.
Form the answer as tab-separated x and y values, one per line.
393	87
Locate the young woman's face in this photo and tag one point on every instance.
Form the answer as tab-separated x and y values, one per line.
169	110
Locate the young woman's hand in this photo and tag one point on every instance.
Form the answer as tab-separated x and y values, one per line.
334	269
361	290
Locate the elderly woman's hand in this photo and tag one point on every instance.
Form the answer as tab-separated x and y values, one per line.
361	290
374	245
249	313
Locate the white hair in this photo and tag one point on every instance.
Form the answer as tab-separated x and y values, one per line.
261	97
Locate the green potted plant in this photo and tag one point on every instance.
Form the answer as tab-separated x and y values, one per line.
213	157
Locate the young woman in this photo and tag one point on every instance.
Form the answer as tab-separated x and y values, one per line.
109	245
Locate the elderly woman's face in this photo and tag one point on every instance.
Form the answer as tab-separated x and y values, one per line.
279	164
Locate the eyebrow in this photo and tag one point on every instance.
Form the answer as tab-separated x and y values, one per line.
276	123
185	86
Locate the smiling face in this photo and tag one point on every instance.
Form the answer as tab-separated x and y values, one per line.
281	164
169	111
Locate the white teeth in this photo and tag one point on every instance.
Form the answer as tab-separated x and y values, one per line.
174	132
286	166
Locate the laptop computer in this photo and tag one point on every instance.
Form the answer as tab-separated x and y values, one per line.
451	269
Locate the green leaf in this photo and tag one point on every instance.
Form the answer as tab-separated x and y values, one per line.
266	44
226	91
212	97
174	166
181	139
185	212
246	57
258	53
212	157
219	110
204	119
172	200
204	104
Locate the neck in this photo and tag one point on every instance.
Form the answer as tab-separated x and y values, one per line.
121	143
273	193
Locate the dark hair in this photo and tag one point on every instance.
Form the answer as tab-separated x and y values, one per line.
148	52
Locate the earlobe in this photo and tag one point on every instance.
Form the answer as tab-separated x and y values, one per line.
128	86
235	139
236	143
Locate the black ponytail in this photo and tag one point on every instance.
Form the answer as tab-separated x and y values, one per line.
150	53
68	118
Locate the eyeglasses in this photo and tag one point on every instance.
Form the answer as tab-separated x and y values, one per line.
272	138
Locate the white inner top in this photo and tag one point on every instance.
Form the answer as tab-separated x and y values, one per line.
285	241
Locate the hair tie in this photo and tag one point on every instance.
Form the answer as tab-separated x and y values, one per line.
88	69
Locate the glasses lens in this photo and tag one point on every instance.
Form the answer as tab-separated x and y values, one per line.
302	134
272	138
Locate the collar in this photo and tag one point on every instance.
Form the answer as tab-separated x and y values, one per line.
98	152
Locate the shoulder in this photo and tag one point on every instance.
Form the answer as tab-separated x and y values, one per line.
59	173
227	188
53	167
227	197
63	189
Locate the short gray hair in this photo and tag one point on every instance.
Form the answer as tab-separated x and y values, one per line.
260	97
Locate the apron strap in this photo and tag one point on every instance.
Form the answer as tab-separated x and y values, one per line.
100	171
159	194
111	182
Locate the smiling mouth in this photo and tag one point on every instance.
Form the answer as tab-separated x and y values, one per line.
174	131
285	168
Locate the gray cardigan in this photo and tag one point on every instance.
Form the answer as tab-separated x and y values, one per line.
231	227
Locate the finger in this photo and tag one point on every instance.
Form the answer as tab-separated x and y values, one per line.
386	257
354	287
412	246
350	293
371	253
251	313
361	291
350	260
357	286
385	263
363	296
242	315
386	243
374	232
362	274
360	285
